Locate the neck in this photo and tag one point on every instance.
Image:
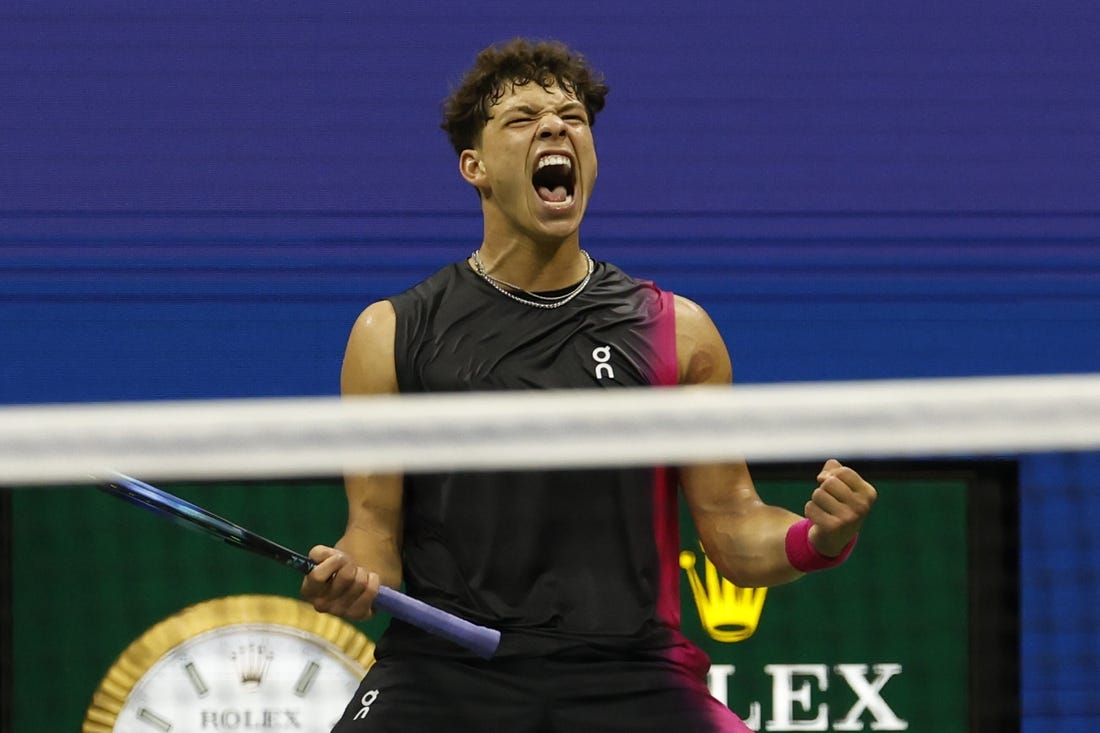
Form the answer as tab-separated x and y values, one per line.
535	300
534	266
535	257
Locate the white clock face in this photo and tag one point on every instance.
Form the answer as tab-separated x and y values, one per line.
247	676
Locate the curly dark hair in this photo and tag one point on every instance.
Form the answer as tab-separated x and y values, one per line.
520	61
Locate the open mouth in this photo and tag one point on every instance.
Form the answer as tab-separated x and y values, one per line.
553	179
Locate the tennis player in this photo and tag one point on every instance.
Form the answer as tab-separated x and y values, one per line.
577	568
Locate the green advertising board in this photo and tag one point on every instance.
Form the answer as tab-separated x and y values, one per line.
866	646
881	643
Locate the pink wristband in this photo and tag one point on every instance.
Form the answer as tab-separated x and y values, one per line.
802	555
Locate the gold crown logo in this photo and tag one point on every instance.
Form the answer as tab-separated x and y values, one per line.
252	663
728	612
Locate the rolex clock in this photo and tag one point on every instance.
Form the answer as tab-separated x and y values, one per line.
252	662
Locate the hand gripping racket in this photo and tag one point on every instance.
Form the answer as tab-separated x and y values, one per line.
478	639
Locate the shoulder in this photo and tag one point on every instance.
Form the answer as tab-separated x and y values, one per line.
379	315
369	366
370	361
701	353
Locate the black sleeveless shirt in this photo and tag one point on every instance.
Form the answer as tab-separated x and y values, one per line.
579	562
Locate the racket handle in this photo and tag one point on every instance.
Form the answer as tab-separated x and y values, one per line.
480	640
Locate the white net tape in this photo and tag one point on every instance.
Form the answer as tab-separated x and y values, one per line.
508	430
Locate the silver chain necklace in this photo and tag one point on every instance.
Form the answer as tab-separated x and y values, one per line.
541	301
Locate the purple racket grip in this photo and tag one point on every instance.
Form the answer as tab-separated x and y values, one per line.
478	639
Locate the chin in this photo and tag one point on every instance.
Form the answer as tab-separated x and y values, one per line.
559	229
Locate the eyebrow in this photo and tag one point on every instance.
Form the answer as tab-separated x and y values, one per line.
526	108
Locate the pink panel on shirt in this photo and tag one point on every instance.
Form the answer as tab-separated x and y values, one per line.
666	368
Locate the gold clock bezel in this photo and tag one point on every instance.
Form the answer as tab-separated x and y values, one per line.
217	613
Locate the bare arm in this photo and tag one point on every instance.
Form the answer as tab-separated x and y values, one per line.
743	536
348	575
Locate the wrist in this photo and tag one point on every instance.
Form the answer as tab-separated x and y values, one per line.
804	557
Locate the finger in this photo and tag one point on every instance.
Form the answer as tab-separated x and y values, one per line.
847	477
838	487
822	520
851	488
327	568
830	514
337	594
354	600
329	562
839	499
323	555
343	578
361	608
314	588
828	502
829	468
320	553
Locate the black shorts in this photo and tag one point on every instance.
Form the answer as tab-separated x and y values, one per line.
439	695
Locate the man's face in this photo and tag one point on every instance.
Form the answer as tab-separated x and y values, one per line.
535	163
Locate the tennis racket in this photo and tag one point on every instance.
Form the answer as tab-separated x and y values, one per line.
478	639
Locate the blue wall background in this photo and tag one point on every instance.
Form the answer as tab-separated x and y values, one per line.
197	198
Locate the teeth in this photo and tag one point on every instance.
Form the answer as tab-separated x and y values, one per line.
554	160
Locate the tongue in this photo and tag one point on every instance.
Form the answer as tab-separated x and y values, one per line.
557	195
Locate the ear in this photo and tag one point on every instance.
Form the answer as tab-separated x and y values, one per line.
472	168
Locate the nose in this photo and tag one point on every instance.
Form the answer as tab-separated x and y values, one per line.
552	126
